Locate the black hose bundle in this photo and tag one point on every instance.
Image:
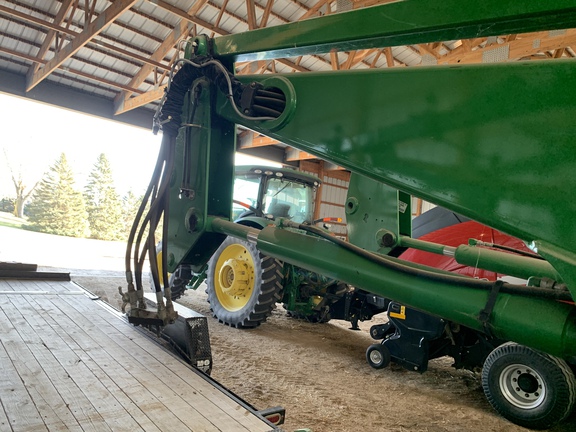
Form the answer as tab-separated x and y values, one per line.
249	101
141	240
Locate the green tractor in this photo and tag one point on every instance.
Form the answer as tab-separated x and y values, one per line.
243	285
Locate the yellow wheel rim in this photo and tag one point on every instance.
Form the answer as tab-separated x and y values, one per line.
234	277
159	262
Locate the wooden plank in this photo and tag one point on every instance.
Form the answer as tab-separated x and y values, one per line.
88	332
4	422
179	374
152	356
137	402
14	396
43	395
68	393
88	368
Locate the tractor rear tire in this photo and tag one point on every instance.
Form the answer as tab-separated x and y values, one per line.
528	387
243	285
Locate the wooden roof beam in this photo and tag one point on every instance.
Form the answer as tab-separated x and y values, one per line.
313	11
64	7
64	30
254	139
251	13
69	70
266	14
179	32
106	18
522	46
293	154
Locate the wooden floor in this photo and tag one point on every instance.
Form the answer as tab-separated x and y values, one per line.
68	364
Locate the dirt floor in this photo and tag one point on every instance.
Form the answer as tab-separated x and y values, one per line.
318	372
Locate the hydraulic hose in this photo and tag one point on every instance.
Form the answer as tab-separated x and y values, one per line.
255	102
555	294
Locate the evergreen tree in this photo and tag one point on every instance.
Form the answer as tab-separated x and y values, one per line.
57	208
103	203
131	204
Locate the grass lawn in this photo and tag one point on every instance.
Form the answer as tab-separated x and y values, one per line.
9	220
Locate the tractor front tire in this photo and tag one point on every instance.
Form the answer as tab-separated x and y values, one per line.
177	284
243	285
528	387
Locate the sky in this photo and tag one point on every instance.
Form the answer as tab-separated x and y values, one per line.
33	135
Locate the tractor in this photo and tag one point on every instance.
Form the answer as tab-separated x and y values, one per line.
244	285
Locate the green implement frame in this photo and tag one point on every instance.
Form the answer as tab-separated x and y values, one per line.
493	142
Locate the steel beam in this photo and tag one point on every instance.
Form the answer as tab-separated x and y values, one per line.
401	23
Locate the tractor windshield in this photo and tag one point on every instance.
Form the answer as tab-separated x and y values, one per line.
289	199
246	190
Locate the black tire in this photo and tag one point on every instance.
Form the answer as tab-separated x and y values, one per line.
378	356
249	307
177	284
528	387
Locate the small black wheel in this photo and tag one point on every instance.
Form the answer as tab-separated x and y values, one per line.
378	356
528	387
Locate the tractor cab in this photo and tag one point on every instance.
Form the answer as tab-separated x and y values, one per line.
272	193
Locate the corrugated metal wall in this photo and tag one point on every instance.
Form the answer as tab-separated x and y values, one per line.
331	196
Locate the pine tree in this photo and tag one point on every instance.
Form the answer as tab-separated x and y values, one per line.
103	203
131	204
57	208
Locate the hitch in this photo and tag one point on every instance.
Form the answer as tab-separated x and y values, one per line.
139	314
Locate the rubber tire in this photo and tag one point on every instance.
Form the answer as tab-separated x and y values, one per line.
266	293
177	286
384	356
560	386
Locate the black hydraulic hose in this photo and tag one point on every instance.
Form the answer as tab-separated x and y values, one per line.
157	209
138	258
514	250
166	207
443	278
139	213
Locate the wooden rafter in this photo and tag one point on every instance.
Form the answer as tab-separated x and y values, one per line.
334	60
108	83
179	32
427	49
64	7
389	57
251	13
266	14
197	7
359	56
106	18
190	18
314	9
522	46
375	59
220	15
67	31
293	154
254	139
